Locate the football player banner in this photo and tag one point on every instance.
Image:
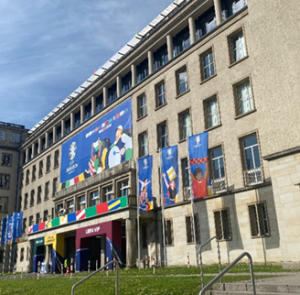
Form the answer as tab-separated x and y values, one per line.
3	230
9	231
170	181
145	198
198	158
17	226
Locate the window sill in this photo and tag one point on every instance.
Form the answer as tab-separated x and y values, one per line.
213	127
140	156
46	199
260	236
159	107
225	240
40	175
245	114
140	118
48	171
182	94
237	62
207	79
182	140
56	166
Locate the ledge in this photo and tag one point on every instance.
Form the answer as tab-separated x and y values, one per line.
281	154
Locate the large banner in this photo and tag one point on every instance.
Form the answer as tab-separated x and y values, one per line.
17	229
170	181
145	180
102	145
3	230
198	155
9	230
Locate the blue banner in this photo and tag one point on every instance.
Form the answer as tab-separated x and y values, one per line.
170	181
198	155
102	145
17	229
9	231
3	230
145	180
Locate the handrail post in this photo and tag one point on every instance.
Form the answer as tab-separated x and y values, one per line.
117	278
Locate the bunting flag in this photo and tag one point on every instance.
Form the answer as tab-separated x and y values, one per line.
145	198
3	230
198	157
9	230
17	226
170	181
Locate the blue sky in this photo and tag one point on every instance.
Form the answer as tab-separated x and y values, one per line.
50	47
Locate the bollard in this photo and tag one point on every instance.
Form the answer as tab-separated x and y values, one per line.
96	264
146	261
14	273
153	264
107	267
39	269
71	270
62	269
89	266
188	260
22	273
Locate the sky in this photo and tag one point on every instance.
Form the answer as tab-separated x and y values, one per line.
48	48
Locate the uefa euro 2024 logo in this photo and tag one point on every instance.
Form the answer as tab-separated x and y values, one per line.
72	151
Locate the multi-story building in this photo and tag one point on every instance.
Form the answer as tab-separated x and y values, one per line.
228	67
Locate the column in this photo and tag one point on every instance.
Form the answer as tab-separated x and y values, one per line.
46	140
131	241
105	96
192	30
133	75
54	134
81	114
62	123
39	145
72	121
150	62
27	155
32	151
119	86
218	11
93	105
170	46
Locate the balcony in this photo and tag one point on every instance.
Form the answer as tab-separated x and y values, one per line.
219	185
253	176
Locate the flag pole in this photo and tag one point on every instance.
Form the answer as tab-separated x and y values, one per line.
162	210
138	213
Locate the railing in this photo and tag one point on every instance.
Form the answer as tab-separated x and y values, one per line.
96	271
232	264
219	258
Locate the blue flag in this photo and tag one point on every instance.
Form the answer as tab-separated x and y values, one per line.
145	179
9	231
3	230
198	156
17	229
170	181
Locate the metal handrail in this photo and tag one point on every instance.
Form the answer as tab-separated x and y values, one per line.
219	258
93	273
225	270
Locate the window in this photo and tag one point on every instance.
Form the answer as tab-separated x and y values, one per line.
144	235
22	255
48	163
218	170
160	57
111	93
237	47
99	103
259	221
45	215
162	135
251	157
185	128
168	232
43	144
6	160
3	205
77	120
207	65
160	94
37	218
60	210
190	229
244	100
26	201
211	112
108	193
54	186
41	168
27	176
15	137
87	111
50	138
4	181
21	179
142	71
142	108
39	194
35	149
47	190
222	224
30	153
230	7
181	41
126	83
70	206
67	126
2	135
33	174
56	159
30	220
205	23
94	197
123	188
32	198
24	226
58	132
181	80
143	144
81	203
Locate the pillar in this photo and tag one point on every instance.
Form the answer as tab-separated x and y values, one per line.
27	155
32	151
82	114
218	11
72	121
39	146
119	86
46	140
192	30
131	241
105	95
150	62
133	73
170	46
54	134
93	105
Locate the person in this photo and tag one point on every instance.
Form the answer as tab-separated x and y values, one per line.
123	142
96	156
91	171
143	199
144	183
199	183
172	192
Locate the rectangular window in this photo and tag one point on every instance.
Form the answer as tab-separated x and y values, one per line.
67	126
39	194
126	83
108	193
160	57
142	107
43	143
259	221
111	93
87	111
185	127
181	41
211	112
218	170
4	181
35	149
237	47
3	205
77	120
54	186
251	157
123	188
169	232
58	132
162	135
94	198
48	164
33	174
50	138
26	201
99	103
2	135
60	210
24	226
27	176
222	224
45	215
47	190
37	218
207	65
6	160
205	23
32	198
21	179
182	81
243	96
142	71
41	168
56	159
143	144
81	202
70	206
190	238
15	137
30	220
160	94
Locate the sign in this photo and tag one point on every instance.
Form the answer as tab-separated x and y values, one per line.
102	145
39	242
145	198
50	239
92	230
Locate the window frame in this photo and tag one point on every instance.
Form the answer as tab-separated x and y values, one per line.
202	66
92	198
48	163
106	192
6	178
179	71
182	126
121	188
142	145
169	237
10	156
219	228
189	227
160	97
207	114
159	138
230	38
141	108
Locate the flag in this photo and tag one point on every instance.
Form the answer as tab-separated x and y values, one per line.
17	225
145	198
171	173
9	231
3	230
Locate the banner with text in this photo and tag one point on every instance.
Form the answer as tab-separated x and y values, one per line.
9	230
17	229
3	230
